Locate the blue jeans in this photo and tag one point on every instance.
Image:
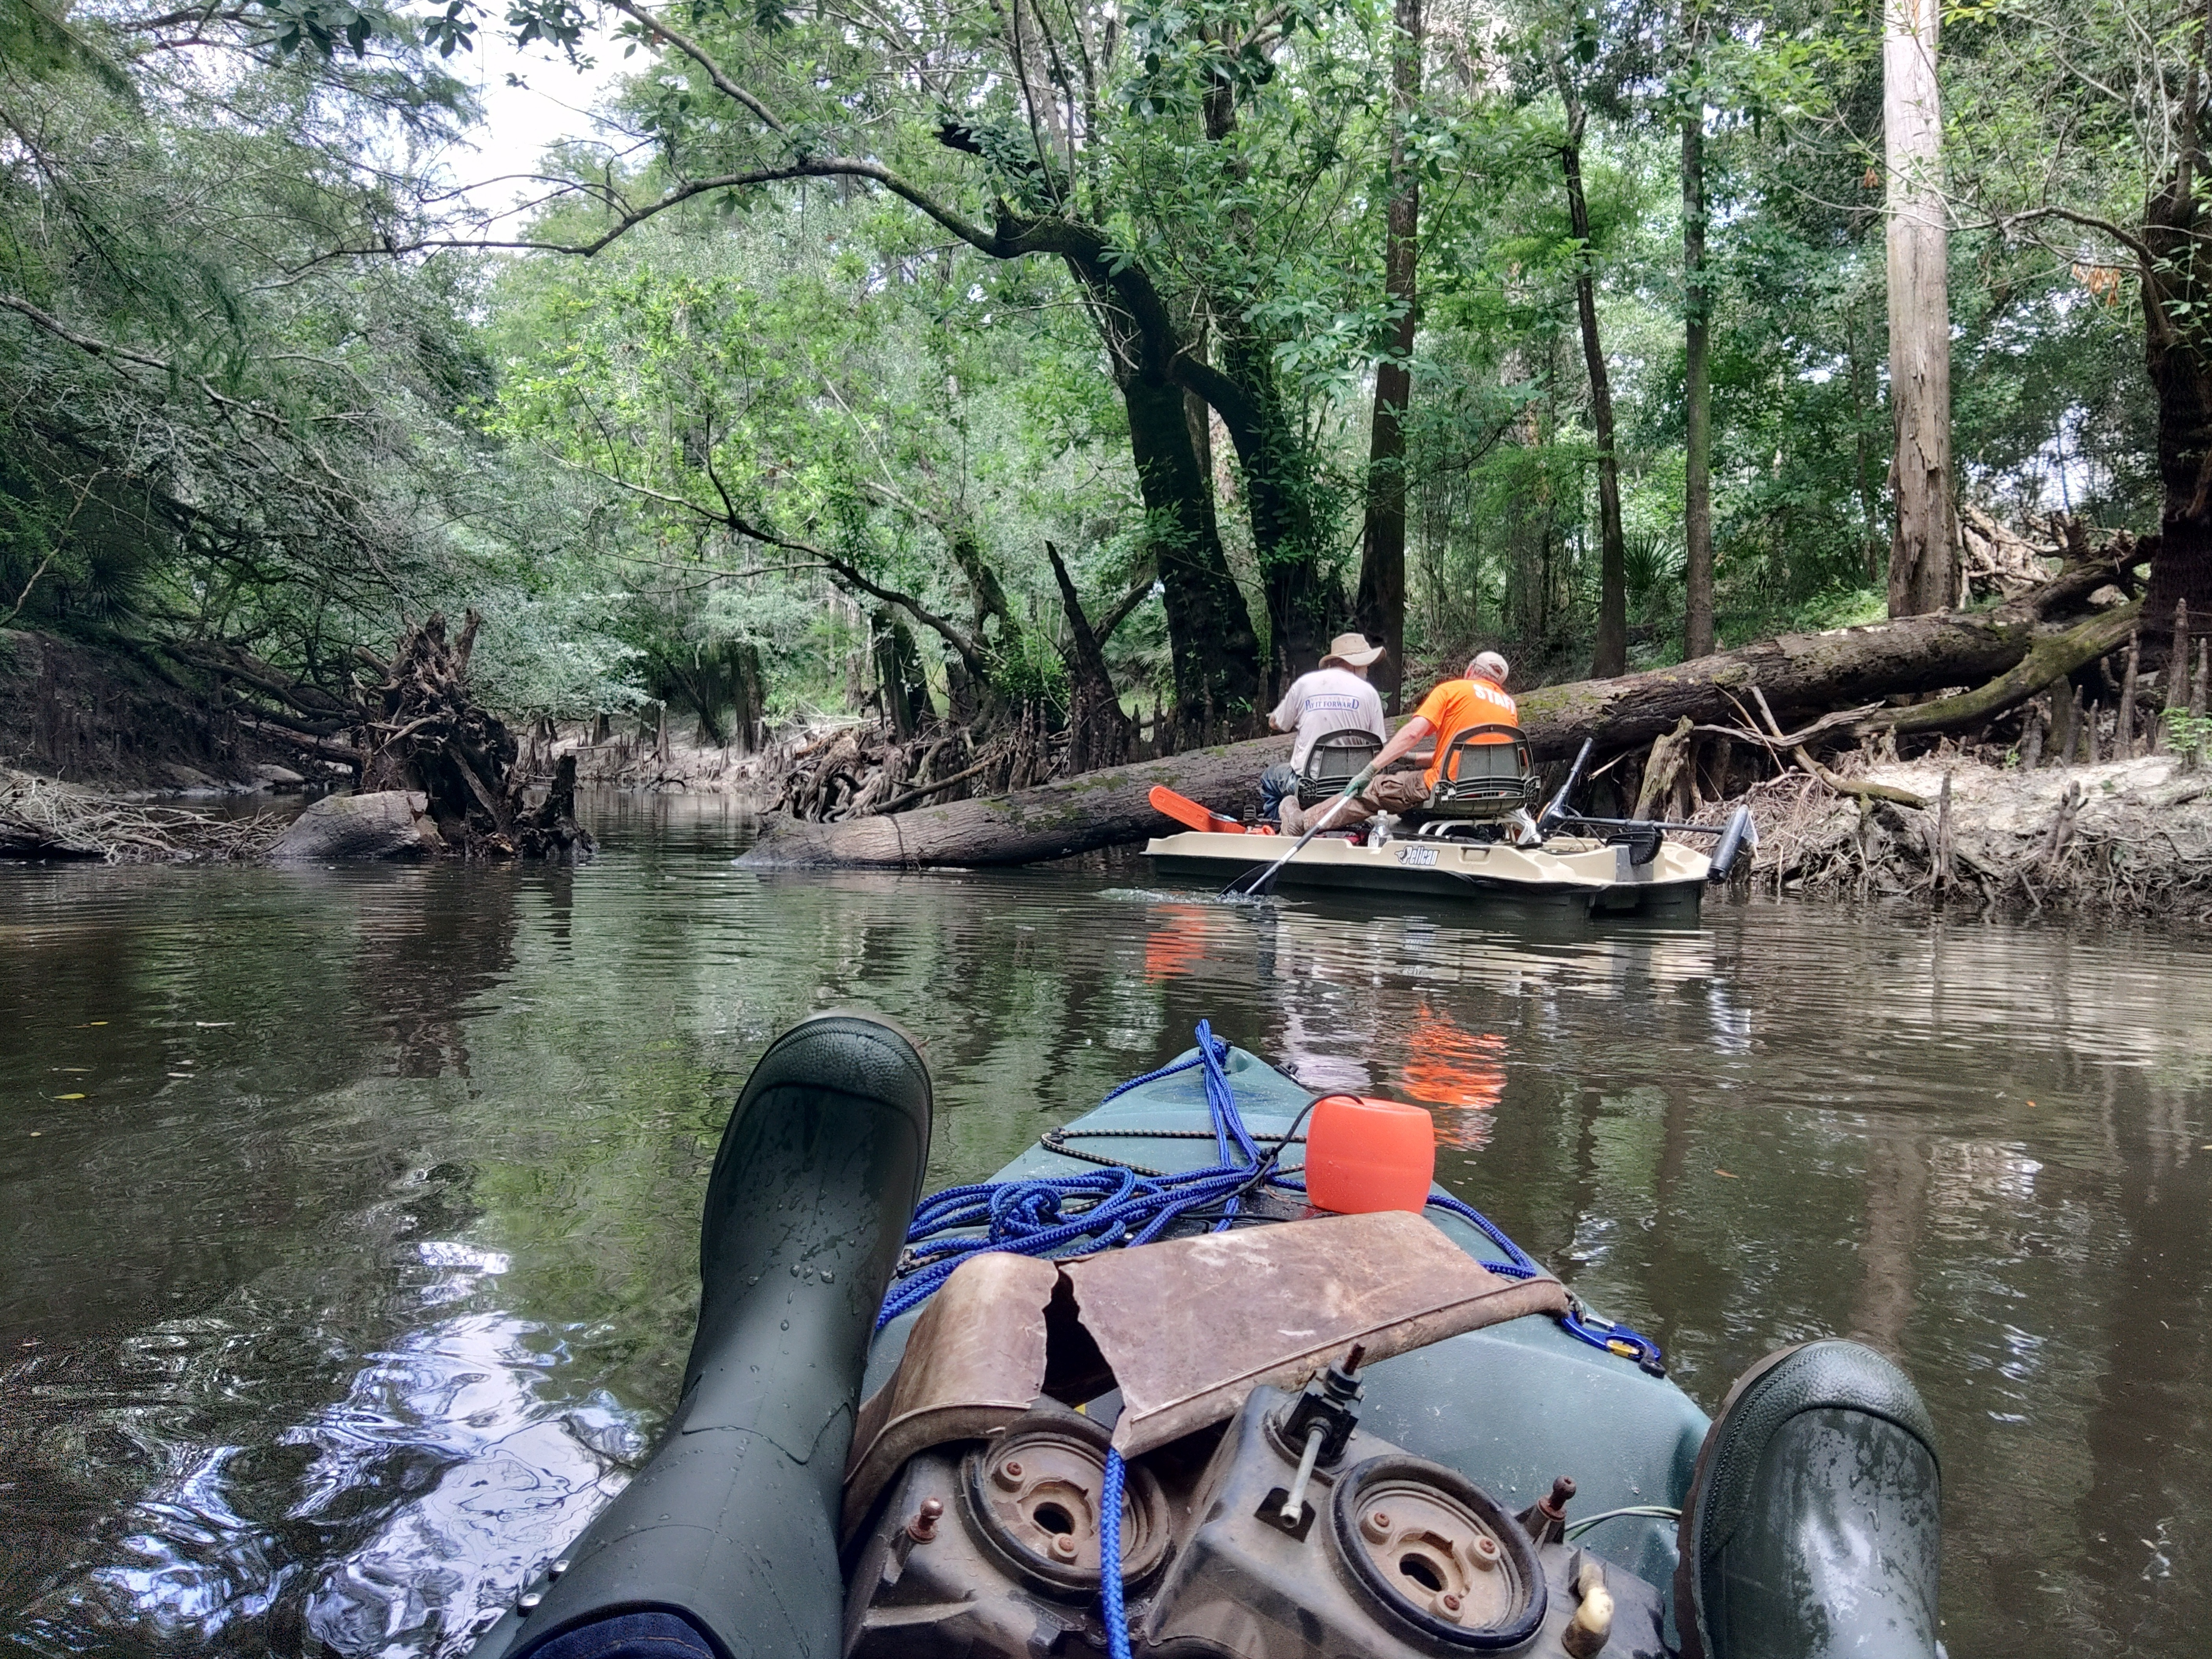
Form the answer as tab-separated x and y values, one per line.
655	1633
1277	785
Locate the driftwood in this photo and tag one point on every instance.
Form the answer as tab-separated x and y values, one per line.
41	819
2136	840
1798	674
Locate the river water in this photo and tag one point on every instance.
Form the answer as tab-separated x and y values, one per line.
348	1215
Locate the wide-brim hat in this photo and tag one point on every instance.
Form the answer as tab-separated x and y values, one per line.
1351	650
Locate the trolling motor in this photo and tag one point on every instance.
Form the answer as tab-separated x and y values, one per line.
1642	836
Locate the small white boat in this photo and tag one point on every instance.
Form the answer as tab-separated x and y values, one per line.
1576	874
1474	841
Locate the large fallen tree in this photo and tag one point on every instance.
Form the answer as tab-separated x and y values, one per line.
2003	656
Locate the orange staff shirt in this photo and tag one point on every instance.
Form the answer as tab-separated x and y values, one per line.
1456	705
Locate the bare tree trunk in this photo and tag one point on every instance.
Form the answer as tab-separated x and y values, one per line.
1381	603
1698	637
1922	555
1611	656
2176	281
1098	732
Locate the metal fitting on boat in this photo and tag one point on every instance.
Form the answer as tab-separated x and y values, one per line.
923	1527
1547	1518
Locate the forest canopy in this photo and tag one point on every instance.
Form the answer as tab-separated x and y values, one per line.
882	356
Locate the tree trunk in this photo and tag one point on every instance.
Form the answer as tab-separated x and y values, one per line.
1611	655
1303	599
1381	603
1698	635
1098	732
898	671
1796	672
745	673
2177	287
1216	653
1922	555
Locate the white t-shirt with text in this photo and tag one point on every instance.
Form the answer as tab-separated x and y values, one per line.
1327	700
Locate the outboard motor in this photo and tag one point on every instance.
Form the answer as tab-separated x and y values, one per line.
732	1528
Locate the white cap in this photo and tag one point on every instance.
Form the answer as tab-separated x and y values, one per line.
1488	666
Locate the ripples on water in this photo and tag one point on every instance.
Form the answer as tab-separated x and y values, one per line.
354	1280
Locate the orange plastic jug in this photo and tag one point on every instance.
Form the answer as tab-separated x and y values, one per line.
1366	1154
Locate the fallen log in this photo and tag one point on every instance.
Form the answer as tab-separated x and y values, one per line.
1098	809
1796	672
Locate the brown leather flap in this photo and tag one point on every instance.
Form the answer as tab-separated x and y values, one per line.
1190	1327
974	1361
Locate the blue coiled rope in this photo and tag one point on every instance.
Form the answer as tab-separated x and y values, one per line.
1078	1214
1109	1556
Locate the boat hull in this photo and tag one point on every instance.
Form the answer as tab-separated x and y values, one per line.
1564	876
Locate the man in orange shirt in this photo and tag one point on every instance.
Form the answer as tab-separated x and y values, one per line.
1453	708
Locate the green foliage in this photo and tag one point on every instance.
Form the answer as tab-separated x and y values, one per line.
782	412
2189	734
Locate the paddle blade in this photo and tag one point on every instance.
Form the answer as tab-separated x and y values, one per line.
1189	813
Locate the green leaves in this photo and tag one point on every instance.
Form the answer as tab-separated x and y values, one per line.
322	26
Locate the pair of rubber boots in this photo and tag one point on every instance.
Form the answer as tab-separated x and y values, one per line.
1811	1532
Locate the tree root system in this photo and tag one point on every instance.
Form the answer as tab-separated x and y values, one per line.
2125	838
427	734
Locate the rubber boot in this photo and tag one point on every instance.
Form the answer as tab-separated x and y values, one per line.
1812	1527
732	1526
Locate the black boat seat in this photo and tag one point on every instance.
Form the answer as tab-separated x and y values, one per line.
1486	773
1334	760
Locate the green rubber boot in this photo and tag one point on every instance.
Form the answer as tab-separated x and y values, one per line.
732	1525
1812	1529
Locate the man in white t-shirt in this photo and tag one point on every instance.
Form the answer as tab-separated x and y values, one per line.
1334	697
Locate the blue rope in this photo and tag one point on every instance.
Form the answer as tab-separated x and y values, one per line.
1057	1215
1109	1556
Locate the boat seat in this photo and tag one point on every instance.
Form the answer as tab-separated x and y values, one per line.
1334	760
1486	773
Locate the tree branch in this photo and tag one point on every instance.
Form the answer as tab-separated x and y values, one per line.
698	54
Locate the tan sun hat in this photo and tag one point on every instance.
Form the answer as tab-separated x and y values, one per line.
1351	650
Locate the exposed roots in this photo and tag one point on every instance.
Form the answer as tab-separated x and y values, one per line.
427	733
858	771
2129	838
40	818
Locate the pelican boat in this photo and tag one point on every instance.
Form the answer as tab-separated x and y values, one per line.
1133	1399
1579	874
1473	841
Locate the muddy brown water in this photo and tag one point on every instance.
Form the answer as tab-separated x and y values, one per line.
348	1215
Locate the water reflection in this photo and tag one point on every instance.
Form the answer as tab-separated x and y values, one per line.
356	1279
